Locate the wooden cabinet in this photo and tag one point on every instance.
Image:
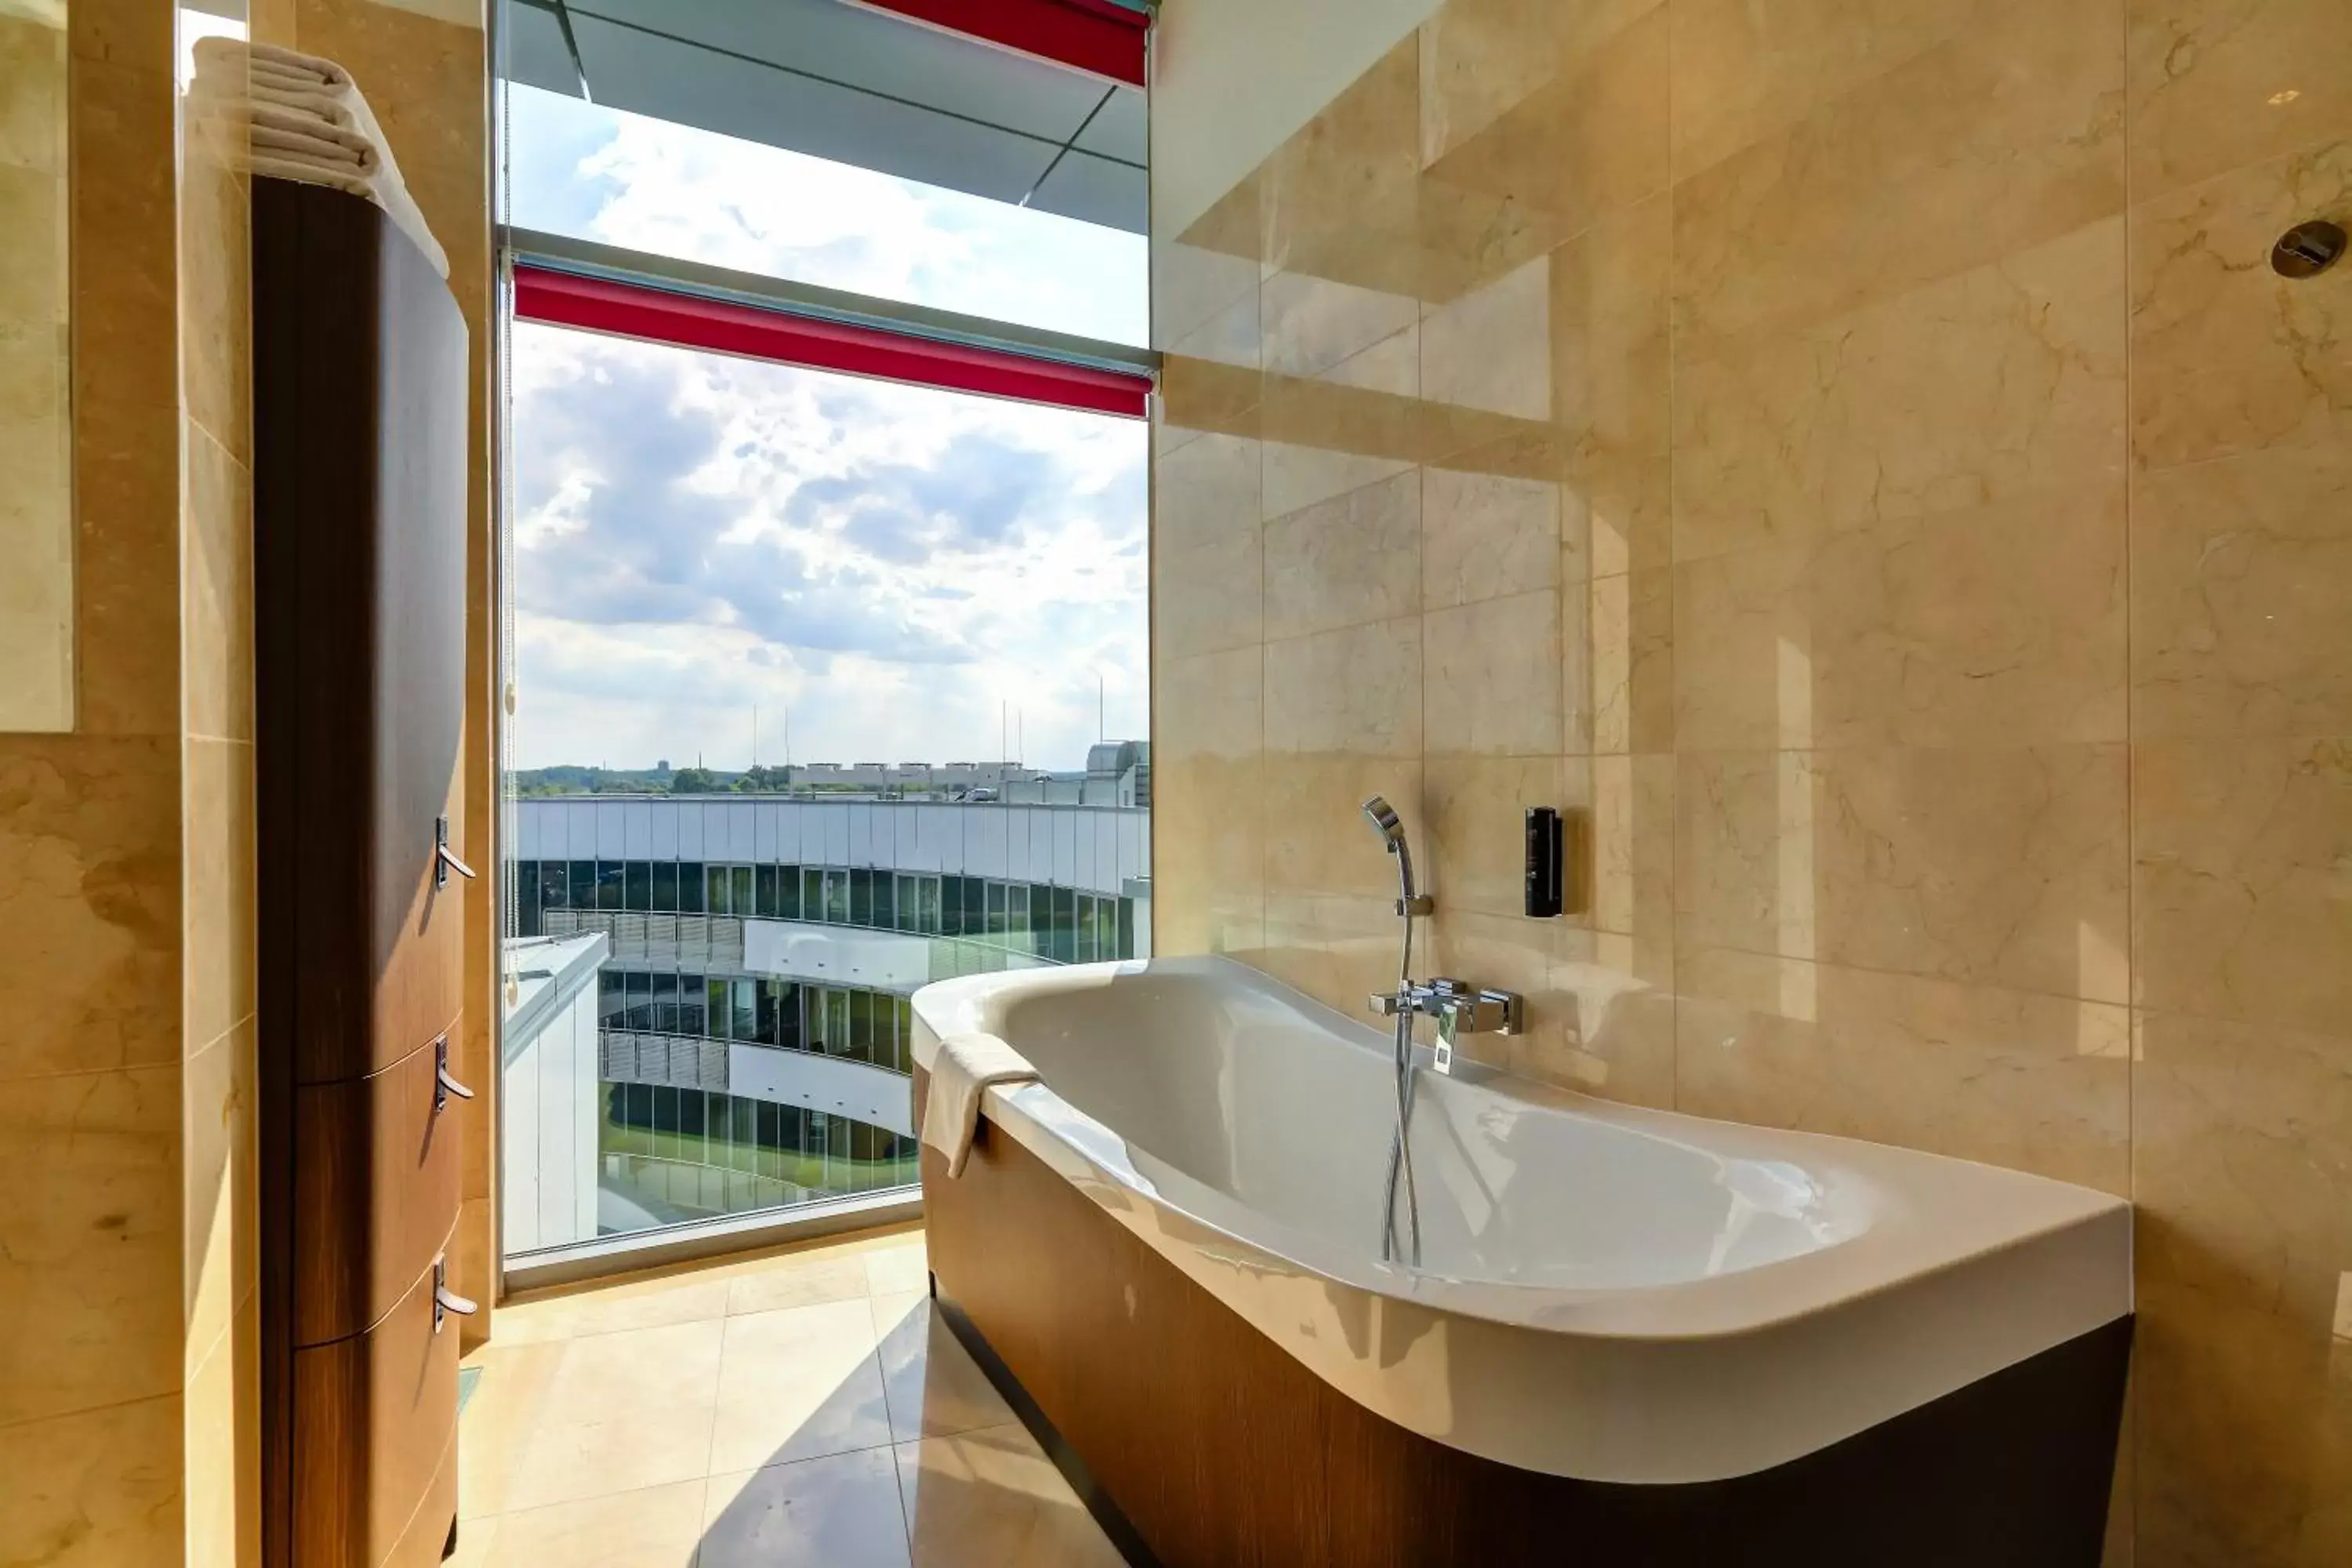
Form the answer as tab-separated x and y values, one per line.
360	476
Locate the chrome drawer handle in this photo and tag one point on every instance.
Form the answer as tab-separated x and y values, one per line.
444	1084
445	1300
445	859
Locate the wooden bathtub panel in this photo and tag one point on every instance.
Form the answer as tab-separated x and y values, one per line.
1218	1447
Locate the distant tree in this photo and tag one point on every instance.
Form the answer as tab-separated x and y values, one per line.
693	781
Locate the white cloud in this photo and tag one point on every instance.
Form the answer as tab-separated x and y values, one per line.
891	565
648	184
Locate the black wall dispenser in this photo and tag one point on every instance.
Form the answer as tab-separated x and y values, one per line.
1547	860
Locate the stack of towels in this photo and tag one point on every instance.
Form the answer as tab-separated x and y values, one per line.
304	119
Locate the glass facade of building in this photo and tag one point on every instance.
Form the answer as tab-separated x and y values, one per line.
1060	925
749	961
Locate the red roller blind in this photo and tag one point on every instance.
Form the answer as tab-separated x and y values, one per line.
1092	36
634	311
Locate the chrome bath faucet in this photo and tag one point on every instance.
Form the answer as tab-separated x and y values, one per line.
1458	1007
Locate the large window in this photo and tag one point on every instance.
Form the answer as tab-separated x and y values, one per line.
820	685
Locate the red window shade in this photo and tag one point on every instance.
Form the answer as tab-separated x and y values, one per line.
1093	35
656	315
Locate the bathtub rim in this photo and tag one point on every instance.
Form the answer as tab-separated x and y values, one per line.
1930	1213
1629	1386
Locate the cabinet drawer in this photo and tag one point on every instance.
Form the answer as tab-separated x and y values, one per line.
373	1420
376	1176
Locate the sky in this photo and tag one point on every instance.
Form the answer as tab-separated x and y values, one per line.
890	571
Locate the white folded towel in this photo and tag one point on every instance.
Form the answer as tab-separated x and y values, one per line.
303	118
961	1072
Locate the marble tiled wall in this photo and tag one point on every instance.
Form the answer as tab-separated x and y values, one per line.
424	65
36	370
92	1347
1860	461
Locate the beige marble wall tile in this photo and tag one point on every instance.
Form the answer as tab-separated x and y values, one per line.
1741	74
1477	809
1974	389
2219	84
1208	588
126	422
1354	692
2227	356
1493	679
222	1438
1324	441
1630	662
99	1489
2241	596
33	114
2038	1083
1619	512
2001	868
1998	867
2000	624
2240	899
1488	348
1316	841
220	939
1482	59
1586	137
2244	1182
2004	138
1208	722
1487	536
1608	317
1194	284
1309	324
89	1249
1339	196
1346	561
89	905
121	32
220	1192
216	528
1616	1002
1621	877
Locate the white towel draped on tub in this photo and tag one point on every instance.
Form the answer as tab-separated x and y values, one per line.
960	1074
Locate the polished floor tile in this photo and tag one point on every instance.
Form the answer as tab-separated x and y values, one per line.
803	1406
658	1527
797	1383
991	1498
933	1385
838	1512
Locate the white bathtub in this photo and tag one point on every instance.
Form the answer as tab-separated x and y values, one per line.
1606	1294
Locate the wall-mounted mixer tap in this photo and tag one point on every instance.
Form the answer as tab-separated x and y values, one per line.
1458	1007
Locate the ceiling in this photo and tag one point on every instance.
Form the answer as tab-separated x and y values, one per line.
855	86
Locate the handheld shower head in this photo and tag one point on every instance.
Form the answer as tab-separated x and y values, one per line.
1384	817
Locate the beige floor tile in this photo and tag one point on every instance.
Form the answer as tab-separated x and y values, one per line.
839	1512
992	1499
657	1528
932	1383
796	1384
506	1408
633	1447
477	1539
802	1280
905	1267
614	1309
618	1411
675	1365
